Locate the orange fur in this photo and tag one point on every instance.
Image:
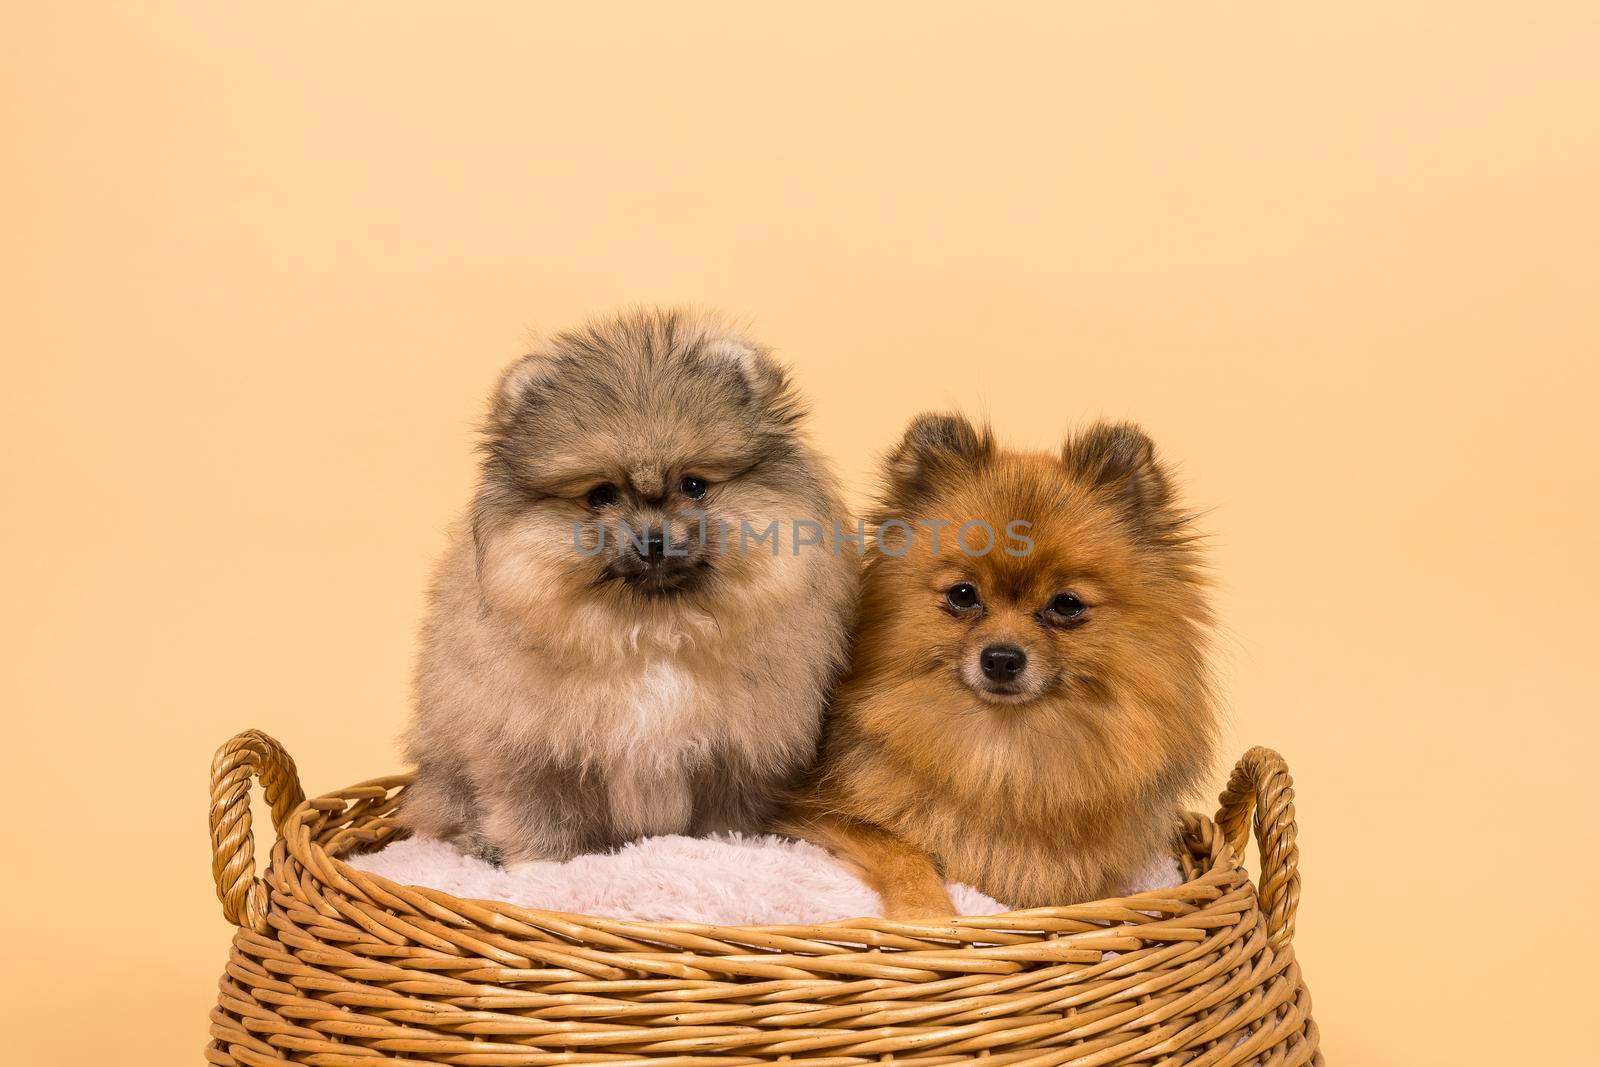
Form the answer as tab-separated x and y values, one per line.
1063	790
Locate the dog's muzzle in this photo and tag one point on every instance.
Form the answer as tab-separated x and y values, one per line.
653	562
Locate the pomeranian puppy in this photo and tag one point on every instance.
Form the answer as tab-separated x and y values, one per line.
1028	697
633	631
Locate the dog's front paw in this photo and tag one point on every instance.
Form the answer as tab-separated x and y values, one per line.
918	905
482	849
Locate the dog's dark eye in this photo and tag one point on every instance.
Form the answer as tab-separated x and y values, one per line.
693	488
1066	606
962	597
602	495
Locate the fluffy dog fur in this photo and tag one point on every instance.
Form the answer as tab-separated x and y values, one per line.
567	703
1061	783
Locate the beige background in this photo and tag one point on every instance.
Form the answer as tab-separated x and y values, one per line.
260	265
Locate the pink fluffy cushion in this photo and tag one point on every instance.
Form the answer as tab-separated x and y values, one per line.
730	881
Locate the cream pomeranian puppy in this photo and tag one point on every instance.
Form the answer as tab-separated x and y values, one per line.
635	627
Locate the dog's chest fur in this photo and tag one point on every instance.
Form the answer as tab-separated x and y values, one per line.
1050	858
669	735
1003	819
645	733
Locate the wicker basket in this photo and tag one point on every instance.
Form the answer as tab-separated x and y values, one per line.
342	968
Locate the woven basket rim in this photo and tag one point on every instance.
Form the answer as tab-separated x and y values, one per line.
314	856
359	815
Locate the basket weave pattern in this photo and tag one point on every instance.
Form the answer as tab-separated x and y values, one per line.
341	968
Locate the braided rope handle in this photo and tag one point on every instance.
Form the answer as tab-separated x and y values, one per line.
251	754
1261	782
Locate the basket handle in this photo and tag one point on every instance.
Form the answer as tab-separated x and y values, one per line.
1261	782
251	754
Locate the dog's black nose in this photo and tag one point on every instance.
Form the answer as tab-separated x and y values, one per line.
1002	663
655	543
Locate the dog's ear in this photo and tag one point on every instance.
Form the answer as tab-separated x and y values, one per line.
760	373
519	385
1119	459
762	378
934	446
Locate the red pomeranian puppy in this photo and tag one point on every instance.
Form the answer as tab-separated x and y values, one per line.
1029	697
